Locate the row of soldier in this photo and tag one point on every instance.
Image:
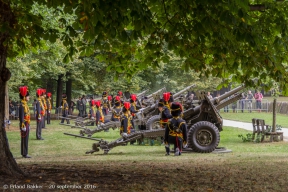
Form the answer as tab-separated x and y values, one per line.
43	109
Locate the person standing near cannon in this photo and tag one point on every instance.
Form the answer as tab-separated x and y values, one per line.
105	103
49	107
65	109
24	117
175	130
126	121
80	107
92	111
249	98
165	113
39	114
116	111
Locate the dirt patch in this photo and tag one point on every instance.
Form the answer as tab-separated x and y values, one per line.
138	176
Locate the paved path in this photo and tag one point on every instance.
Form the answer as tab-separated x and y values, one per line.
248	126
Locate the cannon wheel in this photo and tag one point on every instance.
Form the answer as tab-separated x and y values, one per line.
203	137
153	123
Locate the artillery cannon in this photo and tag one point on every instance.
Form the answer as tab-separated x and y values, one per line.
204	121
102	127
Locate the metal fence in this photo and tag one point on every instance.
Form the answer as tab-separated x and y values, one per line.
244	106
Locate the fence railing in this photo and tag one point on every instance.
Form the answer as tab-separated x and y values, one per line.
247	106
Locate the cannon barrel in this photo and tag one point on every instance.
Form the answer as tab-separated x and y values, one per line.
156	92
142	93
95	139
182	91
217	100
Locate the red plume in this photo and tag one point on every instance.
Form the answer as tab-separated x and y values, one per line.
23	90
97	103
127	105
120	93
133	97
49	94
117	98
166	96
109	97
39	91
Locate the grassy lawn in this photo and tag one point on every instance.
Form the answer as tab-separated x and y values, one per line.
61	159
281	119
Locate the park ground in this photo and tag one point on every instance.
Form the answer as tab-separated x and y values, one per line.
59	162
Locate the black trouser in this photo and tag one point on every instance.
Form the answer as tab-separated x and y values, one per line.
65	114
39	128
48	117
24	141
43	121
177	141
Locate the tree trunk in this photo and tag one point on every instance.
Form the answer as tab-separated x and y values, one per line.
8	165
6	102
50	88
69	88
59	91
274	115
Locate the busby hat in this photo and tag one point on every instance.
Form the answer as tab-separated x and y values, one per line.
126	107
23	92
161	103
166	96
64	96
120	93
93	102
39	92
109	97
133	97
49	94
171	99
104	94
98	103
176	109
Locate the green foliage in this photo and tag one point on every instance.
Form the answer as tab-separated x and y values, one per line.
248	138
223	39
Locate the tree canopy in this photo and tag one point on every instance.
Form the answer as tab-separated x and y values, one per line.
221	38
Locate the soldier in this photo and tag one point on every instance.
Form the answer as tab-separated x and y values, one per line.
24	117
43	97
65	108
168	99
126	121
120	94
39	114
105	103
80	107
109	97
133	108
116	111
49	107
99	114
92	111
176	130
165	113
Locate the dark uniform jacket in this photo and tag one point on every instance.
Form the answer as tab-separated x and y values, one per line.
126	123
116	113
176	128
165	115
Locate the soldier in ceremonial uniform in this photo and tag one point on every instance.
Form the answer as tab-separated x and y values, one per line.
24	117
117	110
65	109
120	94
167	99
39	114
99	114
92	111
133	108
176	130
44	102
49	107
105	103
126	121
165	113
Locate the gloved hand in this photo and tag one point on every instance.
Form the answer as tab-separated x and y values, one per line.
124	135
23	129
39	117
166	145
